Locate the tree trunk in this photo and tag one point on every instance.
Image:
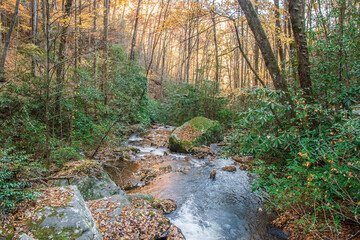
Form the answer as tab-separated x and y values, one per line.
94	42
217	64
278	42
48	81
8	40
105	53
264	45
133	42
60	67
34	32
296	10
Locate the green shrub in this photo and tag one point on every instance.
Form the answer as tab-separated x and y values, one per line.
310	161
13	167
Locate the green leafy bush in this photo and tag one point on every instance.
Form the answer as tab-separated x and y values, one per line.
13	167
308	161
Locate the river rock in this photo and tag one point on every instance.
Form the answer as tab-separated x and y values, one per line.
93	187
73	221
213	174
194	133
214	149
167	168
229	168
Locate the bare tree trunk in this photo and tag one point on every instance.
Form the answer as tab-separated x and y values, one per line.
133	42
156	41
236	69
242	59
34	32
163	66
48	79
8	40
264	45
94	42
256	51
296	10
245	56
105	53
278	42
217	64
60	67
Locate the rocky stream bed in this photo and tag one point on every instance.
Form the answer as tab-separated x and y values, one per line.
220	208
146	192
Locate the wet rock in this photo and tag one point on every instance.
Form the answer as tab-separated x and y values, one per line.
153	144
229	168
187	158
167	168
242	159
73	221
166	206
149	175
144	196
194	133
213	174
214	149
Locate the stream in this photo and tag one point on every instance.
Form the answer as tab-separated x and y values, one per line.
224	208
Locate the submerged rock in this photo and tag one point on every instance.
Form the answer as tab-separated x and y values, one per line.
194	133
213	174
229	168
214	149
73	221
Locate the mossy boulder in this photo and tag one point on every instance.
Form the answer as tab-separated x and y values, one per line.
92	187
197	132
73	221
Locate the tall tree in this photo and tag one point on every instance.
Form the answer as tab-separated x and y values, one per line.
105	53
133	41
217	62
278	43
34	24
8	40
61	59
264	45
296	10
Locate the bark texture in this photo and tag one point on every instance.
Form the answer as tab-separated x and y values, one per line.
296	10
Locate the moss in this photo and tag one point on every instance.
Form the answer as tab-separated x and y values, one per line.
52	232
211	131
8	232
201	123
45	233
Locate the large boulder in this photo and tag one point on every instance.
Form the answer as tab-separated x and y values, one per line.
195	133
72	221
92	187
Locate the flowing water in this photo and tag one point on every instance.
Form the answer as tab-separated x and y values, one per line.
224	208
